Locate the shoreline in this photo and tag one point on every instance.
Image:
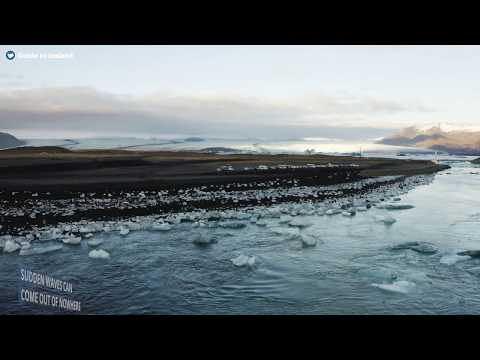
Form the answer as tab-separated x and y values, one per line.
44	188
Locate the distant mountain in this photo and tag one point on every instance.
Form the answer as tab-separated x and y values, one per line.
9	141
193	139
458	142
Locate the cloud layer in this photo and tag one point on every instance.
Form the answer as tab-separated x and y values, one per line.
79	109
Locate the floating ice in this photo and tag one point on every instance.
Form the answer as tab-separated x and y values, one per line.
285	219
203	239
162	227
290	233
308	241
401	286
99	254
333	211
453	259
124	231
88	236
421	247
243	260
387	220
300	223
95	242
72	240
261	223
10	246
40	250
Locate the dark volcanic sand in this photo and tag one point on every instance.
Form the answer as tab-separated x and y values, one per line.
56	173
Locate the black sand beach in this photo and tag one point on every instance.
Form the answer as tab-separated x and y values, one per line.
112	184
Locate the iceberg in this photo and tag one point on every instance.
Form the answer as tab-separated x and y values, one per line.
99	254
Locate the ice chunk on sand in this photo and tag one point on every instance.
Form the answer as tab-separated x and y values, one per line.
72	240
243	260
99	254
453	259
10	246
401	286
40	250
162	227
124	231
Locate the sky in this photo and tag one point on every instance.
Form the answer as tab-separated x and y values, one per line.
255	91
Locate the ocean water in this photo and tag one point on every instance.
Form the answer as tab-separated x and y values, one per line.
353	269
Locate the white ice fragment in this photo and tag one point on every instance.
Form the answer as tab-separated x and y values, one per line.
300	223
72	240
243	260
401	286
10	246
95	242
387	220
333	211
308	241
124	231
285	219
202	239
99	254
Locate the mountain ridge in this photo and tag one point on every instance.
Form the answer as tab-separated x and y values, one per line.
458	142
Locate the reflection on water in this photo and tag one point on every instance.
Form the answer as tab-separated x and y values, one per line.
352	270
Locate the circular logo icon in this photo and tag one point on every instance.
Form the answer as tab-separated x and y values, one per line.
10	54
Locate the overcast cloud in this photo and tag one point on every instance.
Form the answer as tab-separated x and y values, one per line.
84	109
